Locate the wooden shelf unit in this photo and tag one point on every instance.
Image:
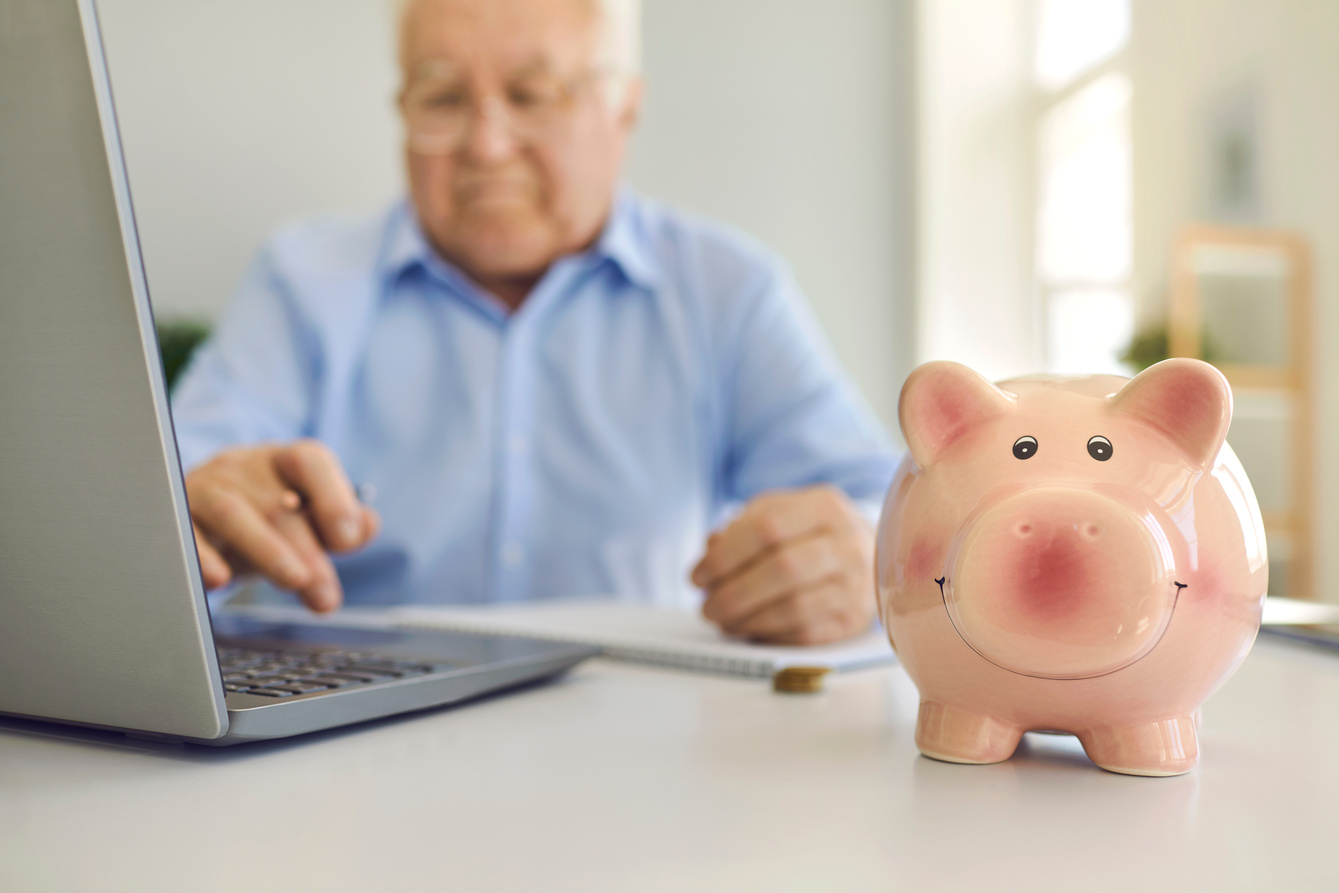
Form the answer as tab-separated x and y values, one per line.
1227	252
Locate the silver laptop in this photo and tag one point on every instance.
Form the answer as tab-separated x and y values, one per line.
103	618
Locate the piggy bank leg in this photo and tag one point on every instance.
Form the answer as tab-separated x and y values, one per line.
1166	747
961	737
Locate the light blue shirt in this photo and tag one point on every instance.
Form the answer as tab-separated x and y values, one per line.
583	445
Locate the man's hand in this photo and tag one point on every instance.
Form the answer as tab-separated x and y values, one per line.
794	567
276	510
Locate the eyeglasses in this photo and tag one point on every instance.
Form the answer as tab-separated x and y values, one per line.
439	111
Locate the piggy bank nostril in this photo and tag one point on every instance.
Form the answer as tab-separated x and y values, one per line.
1024	529
1090	531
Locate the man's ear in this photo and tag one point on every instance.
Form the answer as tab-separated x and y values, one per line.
940	402
1188	400
631	102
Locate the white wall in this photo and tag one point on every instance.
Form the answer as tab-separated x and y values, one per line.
793	120
788	118
238	115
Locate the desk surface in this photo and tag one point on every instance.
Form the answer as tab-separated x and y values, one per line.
632	779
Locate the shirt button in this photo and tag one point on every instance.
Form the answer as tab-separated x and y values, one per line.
513	553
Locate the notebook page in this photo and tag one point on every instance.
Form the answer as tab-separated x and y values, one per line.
646	634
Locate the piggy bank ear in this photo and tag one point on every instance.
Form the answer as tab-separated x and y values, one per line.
941	402
1188	400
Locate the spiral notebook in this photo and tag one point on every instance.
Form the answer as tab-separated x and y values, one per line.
647	634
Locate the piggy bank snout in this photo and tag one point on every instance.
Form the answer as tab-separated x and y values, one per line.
1085	528
1060	583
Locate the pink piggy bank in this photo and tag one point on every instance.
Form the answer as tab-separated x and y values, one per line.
1082	555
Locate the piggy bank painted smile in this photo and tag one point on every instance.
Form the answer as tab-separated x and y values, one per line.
1075	554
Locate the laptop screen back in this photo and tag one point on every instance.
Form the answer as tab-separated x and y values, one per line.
102	612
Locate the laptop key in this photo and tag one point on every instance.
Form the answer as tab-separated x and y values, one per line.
389	664
360	677
299	688
333	681
374	670
267	680
271	692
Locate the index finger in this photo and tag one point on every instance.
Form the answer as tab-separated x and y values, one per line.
312	469
761	528
323	591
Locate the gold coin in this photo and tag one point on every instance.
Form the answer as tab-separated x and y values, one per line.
799	680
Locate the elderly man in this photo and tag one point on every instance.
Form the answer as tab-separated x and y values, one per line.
556	388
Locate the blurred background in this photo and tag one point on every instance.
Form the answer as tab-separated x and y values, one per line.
1021	185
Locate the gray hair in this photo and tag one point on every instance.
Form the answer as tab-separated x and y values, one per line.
620	47
621	40
620	35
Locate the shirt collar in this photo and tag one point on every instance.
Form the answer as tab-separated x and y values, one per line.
623	242
406	246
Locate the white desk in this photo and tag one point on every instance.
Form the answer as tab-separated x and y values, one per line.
631	779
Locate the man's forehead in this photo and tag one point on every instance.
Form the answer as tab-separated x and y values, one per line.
445	68
448	36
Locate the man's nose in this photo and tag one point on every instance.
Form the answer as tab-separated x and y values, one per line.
491	136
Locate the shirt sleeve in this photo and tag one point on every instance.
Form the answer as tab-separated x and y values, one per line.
254	379
792	417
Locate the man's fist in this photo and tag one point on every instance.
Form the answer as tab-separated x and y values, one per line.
796	567
276	510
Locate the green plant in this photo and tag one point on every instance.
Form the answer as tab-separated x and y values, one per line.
177	340
1151	346
1146	348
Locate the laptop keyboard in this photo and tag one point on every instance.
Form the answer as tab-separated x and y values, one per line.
286	674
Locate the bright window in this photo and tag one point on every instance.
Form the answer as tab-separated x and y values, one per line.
1075	35
1084	183
1087	329
1083	215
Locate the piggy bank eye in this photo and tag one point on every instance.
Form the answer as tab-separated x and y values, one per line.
1099	448
1025	447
